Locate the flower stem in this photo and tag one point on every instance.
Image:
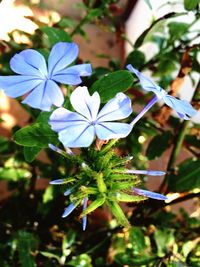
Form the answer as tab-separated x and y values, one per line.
144	110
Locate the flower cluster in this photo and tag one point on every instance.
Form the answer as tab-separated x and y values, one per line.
114	183
100	177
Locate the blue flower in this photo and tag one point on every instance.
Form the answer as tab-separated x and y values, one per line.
149	194
79	129
39	80
182	107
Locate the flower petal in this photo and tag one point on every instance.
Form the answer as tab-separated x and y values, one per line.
61	55
62	118
182	107
78	135
146	83
44	96
85	104
82	69
29	62
67	76
84	219
111	130
72	74
17	85
149	194
117	108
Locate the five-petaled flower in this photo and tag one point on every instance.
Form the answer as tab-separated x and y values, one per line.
182	107
79	129
39	80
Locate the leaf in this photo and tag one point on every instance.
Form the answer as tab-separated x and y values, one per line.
187	177
4	144
190	4
14	174
82	260
124	259
141	38
94	13
37	134
118	213
25	244
30	153
164	240
177	29
111	84
55	35
137	240
50	255
66	22
136	58
158	145
48	194
192	140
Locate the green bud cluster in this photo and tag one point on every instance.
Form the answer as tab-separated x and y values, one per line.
101	177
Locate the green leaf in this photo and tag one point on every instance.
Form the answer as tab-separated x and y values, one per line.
4	144
137	239
191	4
118	213
141	38
30	153
25	244
192	140
14	174
50	255
55	35
164	240
66	22
37	134
178	29
111	84
158	145
124	259
136	58
48	194
187	177
94	13
82	260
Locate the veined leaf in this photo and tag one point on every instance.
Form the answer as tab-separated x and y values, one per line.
111	84
37	134
187	177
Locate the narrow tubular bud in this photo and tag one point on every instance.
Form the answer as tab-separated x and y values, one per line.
68	210
60	151
67	192
59	181
84	219
149	194
146	172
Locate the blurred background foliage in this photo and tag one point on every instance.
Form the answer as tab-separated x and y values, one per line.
32	232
